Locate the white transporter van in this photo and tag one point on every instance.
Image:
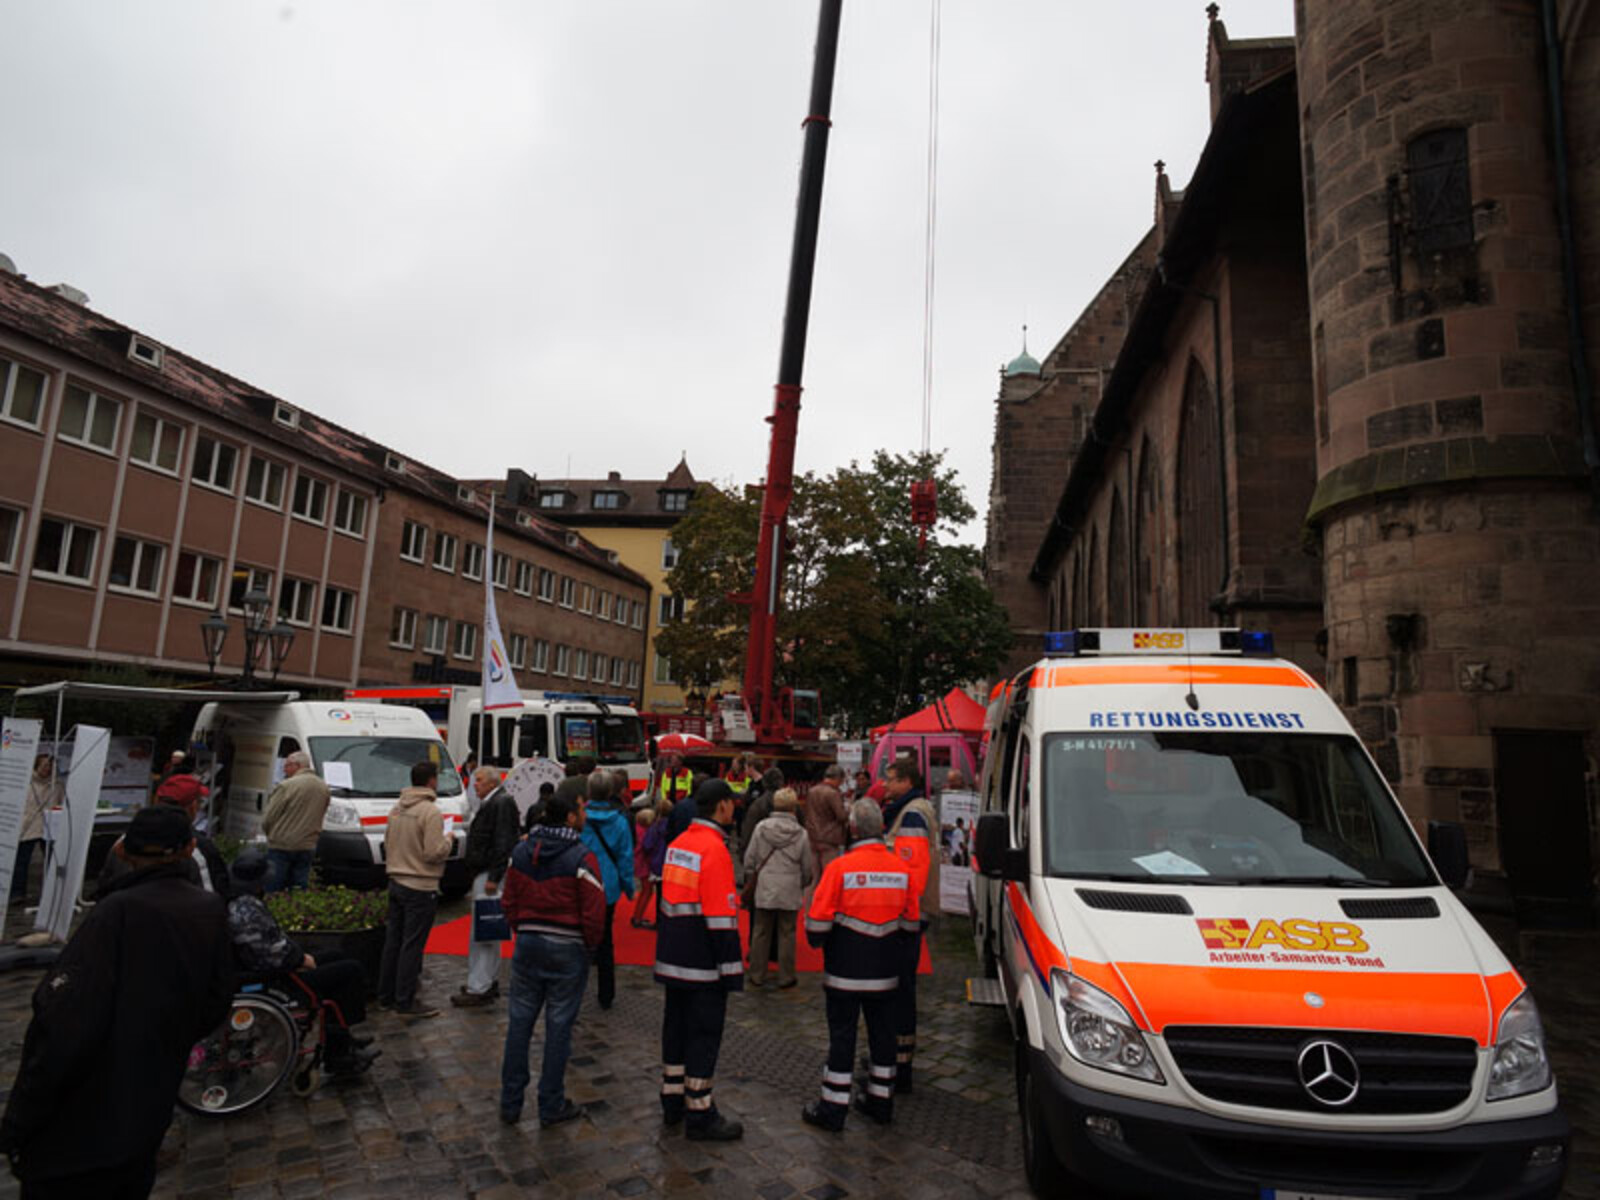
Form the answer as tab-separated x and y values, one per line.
559	725
1229	965
365	752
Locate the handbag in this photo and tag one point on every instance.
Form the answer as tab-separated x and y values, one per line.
489	922
747	894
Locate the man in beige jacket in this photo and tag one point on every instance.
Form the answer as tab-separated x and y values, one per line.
292	822
415	847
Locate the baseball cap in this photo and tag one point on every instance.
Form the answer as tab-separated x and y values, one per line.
159	829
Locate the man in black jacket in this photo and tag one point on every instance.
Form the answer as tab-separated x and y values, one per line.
148	974
491	838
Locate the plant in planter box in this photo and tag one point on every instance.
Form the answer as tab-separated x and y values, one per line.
332	919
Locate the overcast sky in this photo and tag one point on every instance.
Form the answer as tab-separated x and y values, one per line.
555	233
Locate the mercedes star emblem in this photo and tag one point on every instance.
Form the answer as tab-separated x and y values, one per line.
1329	1073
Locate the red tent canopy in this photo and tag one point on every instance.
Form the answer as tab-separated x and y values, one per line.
955	713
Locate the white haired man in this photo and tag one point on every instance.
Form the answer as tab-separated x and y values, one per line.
863	918
293	822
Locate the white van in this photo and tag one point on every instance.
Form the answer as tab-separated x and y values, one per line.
559	725
365	752
1230	967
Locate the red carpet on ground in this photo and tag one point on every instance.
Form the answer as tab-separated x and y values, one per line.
635	947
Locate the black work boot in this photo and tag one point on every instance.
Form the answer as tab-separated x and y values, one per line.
713	1127
824	1116
671	1110
874	1108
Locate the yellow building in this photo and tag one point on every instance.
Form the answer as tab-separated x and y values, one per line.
634	518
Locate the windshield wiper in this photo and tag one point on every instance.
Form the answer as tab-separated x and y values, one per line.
1329	881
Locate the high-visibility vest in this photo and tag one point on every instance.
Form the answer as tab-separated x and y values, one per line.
678	784
697	927
911	835
863	917
738	786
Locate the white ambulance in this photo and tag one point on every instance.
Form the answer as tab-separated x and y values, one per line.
559	725
364	752
1230	968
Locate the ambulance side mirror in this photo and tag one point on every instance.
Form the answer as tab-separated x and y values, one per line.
996	858
1447	846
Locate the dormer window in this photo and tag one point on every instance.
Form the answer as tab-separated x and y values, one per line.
524	520
607	500
674	501
465	494
143	350
552	499
394	463
286	415
572	539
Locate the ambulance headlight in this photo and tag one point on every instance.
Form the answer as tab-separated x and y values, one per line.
1097	1031
1519	1065
341	815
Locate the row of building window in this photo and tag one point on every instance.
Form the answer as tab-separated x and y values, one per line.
586	598
611	500
440	635
66	552
157	442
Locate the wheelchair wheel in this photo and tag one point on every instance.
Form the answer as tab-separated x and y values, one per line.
242	1061
305	1081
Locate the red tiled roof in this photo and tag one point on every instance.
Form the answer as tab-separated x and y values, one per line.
39	313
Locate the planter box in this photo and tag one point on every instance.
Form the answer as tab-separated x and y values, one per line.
363	945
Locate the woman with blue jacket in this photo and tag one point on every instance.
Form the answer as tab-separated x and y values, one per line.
608	831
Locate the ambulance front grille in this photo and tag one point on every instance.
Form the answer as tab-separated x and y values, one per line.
1399	1073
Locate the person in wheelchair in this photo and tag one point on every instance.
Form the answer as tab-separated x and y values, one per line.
261	947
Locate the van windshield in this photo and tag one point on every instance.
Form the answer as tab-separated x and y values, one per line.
381	766
1224	808
608	739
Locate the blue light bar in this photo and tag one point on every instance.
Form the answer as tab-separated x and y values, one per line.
1061	642
1255	641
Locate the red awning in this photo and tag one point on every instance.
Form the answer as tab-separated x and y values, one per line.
955	713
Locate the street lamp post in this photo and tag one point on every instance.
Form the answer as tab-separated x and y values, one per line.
274	641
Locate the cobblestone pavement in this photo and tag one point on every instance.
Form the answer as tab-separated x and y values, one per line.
424	1121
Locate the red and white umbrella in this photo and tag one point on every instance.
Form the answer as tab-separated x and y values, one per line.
683	743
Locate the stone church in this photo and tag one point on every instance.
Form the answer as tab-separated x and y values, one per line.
1344	389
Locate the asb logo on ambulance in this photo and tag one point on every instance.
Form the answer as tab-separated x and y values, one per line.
1161	639
1292	941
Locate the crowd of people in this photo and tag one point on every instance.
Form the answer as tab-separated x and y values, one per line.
151	970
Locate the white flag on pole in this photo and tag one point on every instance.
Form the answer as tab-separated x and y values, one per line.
499	684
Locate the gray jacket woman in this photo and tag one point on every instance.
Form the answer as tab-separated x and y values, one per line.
781	851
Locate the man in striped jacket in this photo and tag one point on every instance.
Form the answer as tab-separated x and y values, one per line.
553	898
864	917
699	961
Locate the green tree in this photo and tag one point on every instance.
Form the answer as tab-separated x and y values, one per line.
874	621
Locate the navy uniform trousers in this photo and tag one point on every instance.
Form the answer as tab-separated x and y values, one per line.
843	1009
691	1036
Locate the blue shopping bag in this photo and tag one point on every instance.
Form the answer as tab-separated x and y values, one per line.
489	921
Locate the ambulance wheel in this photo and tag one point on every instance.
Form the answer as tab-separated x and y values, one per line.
1046	1175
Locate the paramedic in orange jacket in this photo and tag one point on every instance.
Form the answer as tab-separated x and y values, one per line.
699	960
913	829
864	918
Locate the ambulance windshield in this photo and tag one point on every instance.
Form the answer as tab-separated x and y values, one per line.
610	739
1224	808
380	766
